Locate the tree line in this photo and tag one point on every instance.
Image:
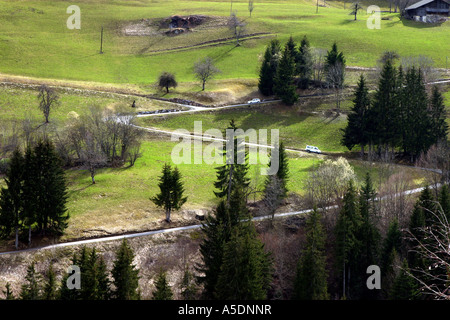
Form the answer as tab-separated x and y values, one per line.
400	116
35	195
283	70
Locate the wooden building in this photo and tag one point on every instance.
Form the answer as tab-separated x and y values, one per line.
428	10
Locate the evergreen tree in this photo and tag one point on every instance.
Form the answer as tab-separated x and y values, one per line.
31	289
11	198
444	200
232	174
171	191
283	168
384	113
311	278
50	290
356	131
95	282
8	293
269	68
368	234
284	87
125	275
163	290
246	272
334	58
217	232
47	193
304	64
348	246
188	288
404	286
439	126
391	249
417	120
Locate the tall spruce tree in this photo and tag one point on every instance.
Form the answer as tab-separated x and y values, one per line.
284	87
348	244
31	289
217	232
439	126
233	174
356	131
444	200
283	168
269	68
404	286
311	277
125	274
304	64
163	290
368	235
8	292
171	191
11	198
246	269
50	291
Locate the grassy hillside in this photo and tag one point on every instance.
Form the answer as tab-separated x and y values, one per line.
34	39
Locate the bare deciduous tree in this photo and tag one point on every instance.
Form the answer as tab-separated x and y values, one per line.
437	161
237	26
424	63
434	247
205	70
318	61
335	78
251	7
47	100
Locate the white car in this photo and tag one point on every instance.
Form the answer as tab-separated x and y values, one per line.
256	100
313	149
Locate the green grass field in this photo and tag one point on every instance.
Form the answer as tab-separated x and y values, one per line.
296	129
34	39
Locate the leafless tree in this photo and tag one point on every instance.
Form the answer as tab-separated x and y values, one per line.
92	155
251	7
318	61
130	137
237	27
205	70
272	195
48	99
437	161
434	247
424	63
335	78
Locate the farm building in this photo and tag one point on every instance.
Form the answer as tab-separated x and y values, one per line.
429	10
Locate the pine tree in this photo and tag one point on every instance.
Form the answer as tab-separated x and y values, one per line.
50	290
217	231
8	292
444	200
163	290
311	277
125	275
283	168
232	174
385	111
31	289
348	246
269	68
95	282
284	87
391	249
368	234
439	126
188	287
171	191
48	191
404	286
356	131
246	272
303	63
334	58
11	198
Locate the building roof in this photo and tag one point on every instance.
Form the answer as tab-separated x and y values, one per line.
421	3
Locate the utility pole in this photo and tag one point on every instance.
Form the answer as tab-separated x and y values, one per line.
101	42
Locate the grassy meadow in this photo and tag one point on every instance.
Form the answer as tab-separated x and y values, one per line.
34	39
